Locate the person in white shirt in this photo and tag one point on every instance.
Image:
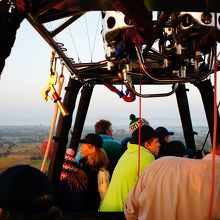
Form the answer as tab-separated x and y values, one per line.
174	188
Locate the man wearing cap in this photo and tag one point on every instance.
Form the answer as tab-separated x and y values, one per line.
164	139
130	165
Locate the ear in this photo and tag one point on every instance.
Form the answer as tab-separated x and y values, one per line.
146	144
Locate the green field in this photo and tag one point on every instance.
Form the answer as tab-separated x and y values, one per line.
21	154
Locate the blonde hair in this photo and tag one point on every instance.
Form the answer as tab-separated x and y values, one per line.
99	158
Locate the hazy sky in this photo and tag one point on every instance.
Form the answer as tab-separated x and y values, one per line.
26	72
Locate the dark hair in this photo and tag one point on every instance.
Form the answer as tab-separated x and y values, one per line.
78	180
102	126
175	148
51	213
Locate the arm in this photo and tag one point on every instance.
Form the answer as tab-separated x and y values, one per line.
131	206
103	182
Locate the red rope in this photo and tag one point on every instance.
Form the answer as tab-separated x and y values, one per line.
215	123
126	98
139	135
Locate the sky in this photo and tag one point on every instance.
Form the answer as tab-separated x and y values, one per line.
26	72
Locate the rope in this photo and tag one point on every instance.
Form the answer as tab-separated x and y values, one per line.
130	97
215	122
96	34
74	44
87	31
139	135
59	88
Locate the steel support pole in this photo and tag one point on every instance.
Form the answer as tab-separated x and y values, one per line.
86	94
62	132
183	106
206	91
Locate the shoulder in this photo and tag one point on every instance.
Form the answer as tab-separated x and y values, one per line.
106	137
103	173
112	143
170	165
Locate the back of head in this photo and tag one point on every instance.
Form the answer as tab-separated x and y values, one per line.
146	133
140	126
25	190
102	126
175	148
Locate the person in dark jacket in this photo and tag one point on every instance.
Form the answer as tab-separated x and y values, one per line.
71	193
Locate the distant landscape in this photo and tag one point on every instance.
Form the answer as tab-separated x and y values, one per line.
22	144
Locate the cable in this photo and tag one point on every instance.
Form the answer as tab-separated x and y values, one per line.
74	44
96	34
87	31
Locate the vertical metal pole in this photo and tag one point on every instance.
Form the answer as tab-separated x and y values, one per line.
183	106
206	91
86	94
62	132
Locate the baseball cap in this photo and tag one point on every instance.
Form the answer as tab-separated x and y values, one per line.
93	139
162	131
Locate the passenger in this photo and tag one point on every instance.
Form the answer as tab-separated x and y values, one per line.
94	163
175	148
200	154
73	185
129	165
176	188
164	139
125	141
26	193
111	146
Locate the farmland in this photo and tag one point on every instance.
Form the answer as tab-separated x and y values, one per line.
22	144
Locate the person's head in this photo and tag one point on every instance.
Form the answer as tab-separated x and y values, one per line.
175	148
92	150
163	134
135	123
103	127
77	179
26	193
148	139
69	163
